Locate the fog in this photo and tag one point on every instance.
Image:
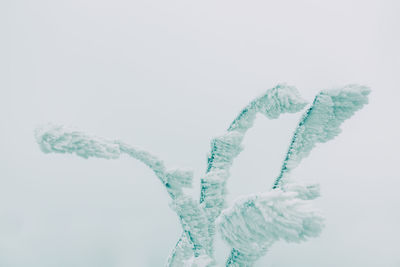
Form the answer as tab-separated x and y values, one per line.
167	76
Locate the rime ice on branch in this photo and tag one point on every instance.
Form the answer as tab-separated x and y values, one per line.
320	123
59	139
224	149
256	221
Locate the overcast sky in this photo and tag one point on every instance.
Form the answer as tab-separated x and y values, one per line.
167	76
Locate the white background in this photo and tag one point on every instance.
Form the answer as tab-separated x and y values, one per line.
167	76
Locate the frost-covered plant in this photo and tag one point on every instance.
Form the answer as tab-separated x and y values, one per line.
254	222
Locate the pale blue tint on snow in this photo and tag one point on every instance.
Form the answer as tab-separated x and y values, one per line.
254	222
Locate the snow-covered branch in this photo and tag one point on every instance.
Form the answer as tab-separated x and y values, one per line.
321	123
254	222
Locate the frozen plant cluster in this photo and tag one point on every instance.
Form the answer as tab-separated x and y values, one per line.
254	222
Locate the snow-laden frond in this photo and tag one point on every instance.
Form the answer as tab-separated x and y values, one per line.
58	139
255	222
321	122
224	149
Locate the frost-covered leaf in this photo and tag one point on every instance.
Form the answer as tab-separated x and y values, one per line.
321	123
255	222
